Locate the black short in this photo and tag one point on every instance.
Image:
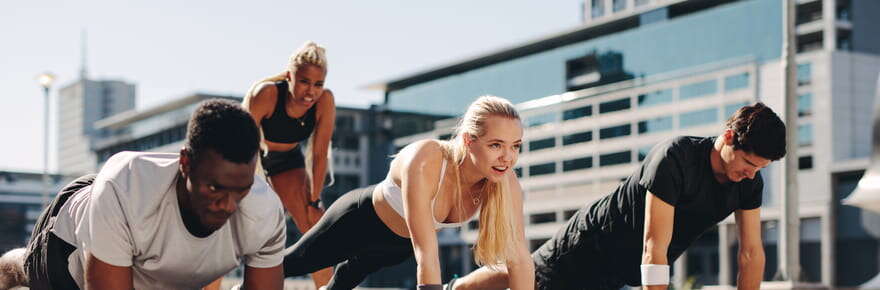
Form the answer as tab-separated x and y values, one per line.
572	259
46	259
275	162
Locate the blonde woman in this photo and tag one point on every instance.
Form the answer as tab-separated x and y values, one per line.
293	108
431	184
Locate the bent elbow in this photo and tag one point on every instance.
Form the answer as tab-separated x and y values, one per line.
751	256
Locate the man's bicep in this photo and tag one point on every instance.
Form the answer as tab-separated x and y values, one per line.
101	275
263	278
659	217
748	224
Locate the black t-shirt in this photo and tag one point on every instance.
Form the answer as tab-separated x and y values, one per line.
679	172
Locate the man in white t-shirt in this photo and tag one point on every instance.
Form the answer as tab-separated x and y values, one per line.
166	220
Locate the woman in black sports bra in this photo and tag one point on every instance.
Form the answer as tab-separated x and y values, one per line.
290	108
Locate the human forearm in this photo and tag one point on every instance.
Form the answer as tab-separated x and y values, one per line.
522	274
751	269
428	272
751	252
319	169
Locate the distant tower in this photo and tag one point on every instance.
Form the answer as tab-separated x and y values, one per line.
83	72
80	104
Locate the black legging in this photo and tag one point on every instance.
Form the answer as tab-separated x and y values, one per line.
351	236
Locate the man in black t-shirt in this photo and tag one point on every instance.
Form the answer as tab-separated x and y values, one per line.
684	187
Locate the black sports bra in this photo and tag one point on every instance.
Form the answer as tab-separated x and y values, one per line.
280	127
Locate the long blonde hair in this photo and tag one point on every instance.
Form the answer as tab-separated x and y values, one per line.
310	53
496	240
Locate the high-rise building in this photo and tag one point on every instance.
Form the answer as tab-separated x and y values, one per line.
595	98
81	104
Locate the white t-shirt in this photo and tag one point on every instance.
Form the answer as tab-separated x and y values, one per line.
130	217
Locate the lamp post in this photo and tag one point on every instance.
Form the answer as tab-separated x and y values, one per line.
45	79
789	236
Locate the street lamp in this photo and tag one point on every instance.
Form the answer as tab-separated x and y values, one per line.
45	79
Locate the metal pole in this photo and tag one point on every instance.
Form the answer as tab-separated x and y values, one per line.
46	182
789	242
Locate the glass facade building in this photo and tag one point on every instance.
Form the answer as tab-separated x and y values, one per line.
595	100
752	29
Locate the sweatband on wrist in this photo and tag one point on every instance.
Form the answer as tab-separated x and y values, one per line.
655	274
429	287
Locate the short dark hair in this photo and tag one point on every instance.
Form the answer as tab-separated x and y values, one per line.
757	129
224	126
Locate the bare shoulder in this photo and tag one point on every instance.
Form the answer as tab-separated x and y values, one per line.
422	154
263	99
327	102
265	92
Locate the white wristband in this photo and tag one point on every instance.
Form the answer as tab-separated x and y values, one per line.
655	275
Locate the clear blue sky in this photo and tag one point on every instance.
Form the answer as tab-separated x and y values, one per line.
172	48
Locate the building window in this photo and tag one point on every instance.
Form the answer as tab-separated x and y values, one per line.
615	131
534	244
805	104
344	123
577	138
347	141
655	98
542	218
736	82
615	158
614	106
843	10
643	152
577	164
698	117
542	169
518	172
618	5
805	134
697	90
810	42
542	144
654	125
576	113
805	162
844	40
804	74
582	72
732	108
541	119
597	8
